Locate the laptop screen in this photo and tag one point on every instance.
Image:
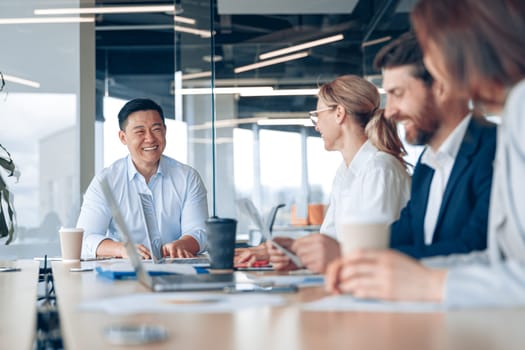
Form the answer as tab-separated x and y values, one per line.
133	255
152	228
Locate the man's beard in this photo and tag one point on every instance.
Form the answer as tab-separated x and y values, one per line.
430	112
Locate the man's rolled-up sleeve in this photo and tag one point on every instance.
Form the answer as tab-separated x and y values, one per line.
94	218
195	211
483	285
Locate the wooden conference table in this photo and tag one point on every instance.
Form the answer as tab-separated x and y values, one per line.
18	293
283	327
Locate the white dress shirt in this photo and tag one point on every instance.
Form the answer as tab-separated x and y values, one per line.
374	184
441	162
179	198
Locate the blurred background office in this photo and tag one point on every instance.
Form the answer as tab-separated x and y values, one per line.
236	80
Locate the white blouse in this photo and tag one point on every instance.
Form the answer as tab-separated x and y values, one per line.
375	184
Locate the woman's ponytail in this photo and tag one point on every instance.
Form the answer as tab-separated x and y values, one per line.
382	132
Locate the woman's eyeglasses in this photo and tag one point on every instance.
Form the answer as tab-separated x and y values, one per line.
314	115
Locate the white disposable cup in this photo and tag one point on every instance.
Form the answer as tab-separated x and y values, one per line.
363	235
71	243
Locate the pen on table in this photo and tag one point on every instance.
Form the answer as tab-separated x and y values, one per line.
44	258
9	269
99	258
295	259
81	269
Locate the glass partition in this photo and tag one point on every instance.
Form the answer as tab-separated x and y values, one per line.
267	61
39	113
235	79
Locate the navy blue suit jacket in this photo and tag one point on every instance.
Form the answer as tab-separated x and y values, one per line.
463	216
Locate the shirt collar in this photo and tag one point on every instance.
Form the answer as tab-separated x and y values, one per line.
133	172
449	148
362	156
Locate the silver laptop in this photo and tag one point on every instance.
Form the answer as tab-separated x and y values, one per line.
153	237
166	283
152	228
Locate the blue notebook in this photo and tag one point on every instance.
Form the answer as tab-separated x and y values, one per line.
131	275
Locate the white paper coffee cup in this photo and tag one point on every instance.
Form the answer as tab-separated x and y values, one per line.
71	243
363	234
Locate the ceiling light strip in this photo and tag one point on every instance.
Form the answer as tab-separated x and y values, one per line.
104	10
135	27
200	32
375	41
185	20
190	76
281	92
229	123
286	121
225	123
48	20
300	47
21	81
224	90
250	91
270	62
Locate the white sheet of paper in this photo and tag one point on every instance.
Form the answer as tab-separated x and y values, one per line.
298	280
180	302
349	303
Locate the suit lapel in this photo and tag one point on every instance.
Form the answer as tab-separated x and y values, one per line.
421	181
463	159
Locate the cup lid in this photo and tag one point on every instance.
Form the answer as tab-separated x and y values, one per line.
71	229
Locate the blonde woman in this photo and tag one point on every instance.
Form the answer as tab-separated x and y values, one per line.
372	179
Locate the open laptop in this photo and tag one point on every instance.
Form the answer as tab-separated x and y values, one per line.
164	283
153	236
152	228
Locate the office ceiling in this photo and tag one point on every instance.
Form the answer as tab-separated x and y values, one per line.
140	52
